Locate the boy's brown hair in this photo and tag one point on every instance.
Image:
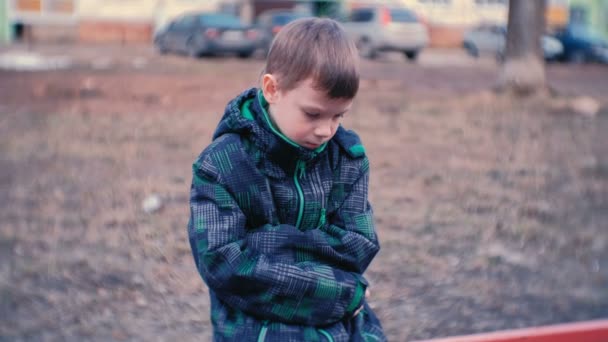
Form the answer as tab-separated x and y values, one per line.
316	47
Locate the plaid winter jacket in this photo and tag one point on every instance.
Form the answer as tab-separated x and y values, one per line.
281	234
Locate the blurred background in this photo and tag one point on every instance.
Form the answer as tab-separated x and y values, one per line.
491	207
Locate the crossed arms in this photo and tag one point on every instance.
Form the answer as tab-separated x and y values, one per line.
257	270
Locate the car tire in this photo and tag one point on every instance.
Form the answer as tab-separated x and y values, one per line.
577	57
160	46
245	54
411	55
500	57
193	51
366	48
471	50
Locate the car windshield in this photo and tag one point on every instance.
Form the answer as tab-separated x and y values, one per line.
283	19
219	20
403	16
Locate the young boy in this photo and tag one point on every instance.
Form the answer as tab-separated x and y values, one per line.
280	227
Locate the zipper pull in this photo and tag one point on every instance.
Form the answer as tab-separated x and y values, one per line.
322	218
301	168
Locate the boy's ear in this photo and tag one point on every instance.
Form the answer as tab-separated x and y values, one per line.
270	88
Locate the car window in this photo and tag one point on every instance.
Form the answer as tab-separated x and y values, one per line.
585	33
172	26
362	15
184	23
263	19
283	19
403	16
219	20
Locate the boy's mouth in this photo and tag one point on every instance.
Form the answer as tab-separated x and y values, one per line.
311	145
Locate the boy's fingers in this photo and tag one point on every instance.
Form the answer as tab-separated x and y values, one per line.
367	294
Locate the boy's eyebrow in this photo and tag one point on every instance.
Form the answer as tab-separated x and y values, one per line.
315	110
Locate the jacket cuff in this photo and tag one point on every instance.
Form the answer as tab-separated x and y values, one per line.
357	300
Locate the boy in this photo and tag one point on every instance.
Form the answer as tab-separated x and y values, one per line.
280	226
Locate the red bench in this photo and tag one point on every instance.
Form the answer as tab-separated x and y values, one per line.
592	331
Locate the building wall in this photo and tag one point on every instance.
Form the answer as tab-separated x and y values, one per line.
134	20
459	12
4	23
31	12
596	14
114	31
42	20
449	19
58	33
98	20
171	9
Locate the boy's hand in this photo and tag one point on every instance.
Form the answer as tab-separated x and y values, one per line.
367	294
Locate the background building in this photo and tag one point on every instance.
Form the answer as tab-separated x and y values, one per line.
4	23
42	19
95	20
593	13
449	19
136	20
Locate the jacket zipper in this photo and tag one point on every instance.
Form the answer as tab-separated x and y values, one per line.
322	218
263	331
327	335
299	173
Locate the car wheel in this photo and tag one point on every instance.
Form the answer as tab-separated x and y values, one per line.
411	55
366	48
160	47
471	50
193	51
245	54
577	57
500	57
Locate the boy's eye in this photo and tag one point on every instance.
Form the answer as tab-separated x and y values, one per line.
312	115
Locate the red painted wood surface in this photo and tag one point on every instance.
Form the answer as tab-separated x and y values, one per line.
592	331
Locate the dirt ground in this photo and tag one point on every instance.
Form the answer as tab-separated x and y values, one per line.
492	212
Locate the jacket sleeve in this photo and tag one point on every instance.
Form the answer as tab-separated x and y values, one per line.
257	271
346	241
350	232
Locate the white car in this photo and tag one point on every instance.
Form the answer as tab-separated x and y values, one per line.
383	28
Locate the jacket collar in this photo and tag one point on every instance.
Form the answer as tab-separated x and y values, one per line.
247	115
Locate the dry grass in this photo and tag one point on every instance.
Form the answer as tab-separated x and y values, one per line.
491	213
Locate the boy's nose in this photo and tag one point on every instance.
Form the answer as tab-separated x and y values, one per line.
323	130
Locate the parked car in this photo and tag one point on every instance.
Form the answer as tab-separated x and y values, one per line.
581	44
270	23
383	28
201	34
490	39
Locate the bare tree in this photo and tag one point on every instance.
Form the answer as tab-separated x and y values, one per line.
524	69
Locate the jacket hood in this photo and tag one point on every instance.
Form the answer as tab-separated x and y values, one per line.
247	115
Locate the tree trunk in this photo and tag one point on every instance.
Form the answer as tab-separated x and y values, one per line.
523	72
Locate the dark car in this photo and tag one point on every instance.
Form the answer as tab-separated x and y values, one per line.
208	34
581	45
490	39
271	22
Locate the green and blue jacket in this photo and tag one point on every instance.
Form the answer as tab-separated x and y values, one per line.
282	234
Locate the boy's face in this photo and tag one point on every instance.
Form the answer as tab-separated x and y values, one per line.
304	114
